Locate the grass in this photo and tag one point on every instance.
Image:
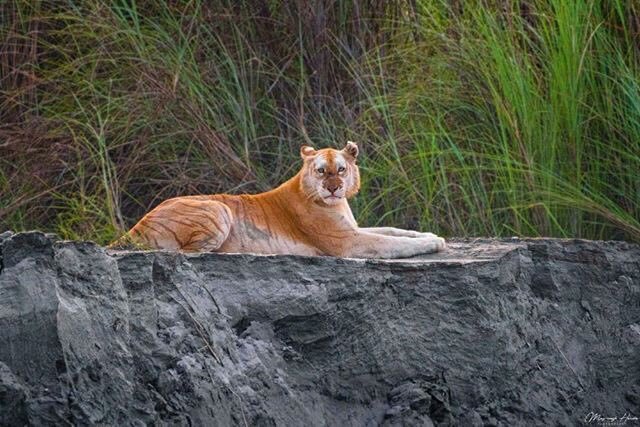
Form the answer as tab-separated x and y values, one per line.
474	118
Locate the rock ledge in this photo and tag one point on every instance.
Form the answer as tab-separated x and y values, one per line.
492	332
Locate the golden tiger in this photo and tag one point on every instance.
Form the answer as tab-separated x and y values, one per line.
307	215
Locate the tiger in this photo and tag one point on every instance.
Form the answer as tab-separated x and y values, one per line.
308	215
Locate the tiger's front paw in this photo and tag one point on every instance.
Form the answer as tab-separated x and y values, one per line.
441	245
432	244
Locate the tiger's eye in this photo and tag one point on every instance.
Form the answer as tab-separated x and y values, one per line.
320	170
341	169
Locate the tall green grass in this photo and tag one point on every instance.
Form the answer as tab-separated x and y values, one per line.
510	122
474	118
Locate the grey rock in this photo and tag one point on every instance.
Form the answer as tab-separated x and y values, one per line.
491	332
5	235
12	398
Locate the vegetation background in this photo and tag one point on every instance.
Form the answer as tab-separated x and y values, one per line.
476	117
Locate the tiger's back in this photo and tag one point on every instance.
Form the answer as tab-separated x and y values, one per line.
224	223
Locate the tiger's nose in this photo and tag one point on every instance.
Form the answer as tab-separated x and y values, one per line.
333	187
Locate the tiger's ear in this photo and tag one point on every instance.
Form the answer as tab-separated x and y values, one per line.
306	151
351	149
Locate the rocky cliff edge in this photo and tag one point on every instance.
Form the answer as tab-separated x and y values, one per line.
491	332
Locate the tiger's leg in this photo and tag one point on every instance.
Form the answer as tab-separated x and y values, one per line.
371	245
186	224
398	232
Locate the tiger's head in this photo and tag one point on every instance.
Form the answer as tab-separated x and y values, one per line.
328	175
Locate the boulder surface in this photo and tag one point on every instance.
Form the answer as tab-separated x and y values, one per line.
490	332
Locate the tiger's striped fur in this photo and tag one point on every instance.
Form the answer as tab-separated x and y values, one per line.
307	215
